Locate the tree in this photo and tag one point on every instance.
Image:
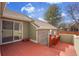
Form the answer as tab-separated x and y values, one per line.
53	15
73	12
63	25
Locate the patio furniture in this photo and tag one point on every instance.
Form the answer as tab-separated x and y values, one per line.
53	40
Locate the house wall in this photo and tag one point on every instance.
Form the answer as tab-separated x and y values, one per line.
26	30
68	38
32	32
8	33
43	36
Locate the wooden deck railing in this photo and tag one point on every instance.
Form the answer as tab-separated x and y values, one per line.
68	32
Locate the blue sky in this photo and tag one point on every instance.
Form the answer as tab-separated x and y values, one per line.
36	10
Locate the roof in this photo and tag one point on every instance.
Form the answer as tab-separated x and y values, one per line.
4	12
75	25
14	15
37	23
43	25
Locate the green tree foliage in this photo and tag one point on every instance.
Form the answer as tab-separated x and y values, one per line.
53	15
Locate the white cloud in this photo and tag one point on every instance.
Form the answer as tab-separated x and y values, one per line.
40	19
31	15
63	14
41	9
29	8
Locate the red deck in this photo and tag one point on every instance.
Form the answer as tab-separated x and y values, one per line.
31	49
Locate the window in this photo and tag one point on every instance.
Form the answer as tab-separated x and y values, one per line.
7	25
7	33
16	26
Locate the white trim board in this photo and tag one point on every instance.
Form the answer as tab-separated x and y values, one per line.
12	41
33	41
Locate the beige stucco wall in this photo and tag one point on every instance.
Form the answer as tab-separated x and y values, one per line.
68	38
43	36
32	32
25	30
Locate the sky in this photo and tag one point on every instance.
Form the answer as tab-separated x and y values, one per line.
37	10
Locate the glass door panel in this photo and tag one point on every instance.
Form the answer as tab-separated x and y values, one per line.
7	31
7	25
17	31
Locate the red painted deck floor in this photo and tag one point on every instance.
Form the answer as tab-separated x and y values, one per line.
30	49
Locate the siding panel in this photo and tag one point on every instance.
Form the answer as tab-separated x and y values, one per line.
32	32
43	36
25	30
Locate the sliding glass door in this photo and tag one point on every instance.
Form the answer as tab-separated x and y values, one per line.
11	31
7	31
17	31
